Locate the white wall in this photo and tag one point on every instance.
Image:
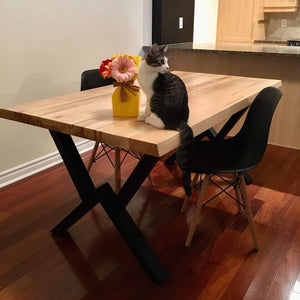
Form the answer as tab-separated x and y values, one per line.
205	21
45	45
147	22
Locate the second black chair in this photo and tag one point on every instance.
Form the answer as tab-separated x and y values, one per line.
235	155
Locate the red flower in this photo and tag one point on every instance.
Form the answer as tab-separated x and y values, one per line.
105	68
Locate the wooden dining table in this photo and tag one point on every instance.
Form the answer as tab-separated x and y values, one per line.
88	114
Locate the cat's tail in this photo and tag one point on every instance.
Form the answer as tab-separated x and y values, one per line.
183	155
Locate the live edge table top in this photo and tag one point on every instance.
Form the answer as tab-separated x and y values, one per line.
88	114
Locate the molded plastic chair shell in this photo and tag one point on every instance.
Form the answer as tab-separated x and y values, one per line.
91	79
246	149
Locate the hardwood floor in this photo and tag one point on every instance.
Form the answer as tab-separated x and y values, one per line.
93	262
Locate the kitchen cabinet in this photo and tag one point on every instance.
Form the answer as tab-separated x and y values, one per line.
280	5
238	21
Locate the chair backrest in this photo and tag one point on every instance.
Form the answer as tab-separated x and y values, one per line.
253	136
91	79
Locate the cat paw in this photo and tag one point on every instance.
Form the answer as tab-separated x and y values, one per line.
141	117
155	121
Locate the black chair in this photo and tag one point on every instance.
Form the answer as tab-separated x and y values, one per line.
92	79
234	155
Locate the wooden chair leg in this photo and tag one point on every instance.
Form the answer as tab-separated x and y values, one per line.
238	197
151	180
185	204
237	193
195	179
248	210
92	157
196	216
187	199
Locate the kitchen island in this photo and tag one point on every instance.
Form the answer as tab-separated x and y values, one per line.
250	60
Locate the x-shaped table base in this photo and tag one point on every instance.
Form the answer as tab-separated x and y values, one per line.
113	204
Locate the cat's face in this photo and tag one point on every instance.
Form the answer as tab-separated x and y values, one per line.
156	58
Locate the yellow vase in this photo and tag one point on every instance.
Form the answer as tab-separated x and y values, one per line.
128	108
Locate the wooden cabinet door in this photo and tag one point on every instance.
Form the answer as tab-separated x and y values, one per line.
280	5
235	21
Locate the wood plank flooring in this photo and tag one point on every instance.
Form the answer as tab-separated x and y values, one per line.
93	262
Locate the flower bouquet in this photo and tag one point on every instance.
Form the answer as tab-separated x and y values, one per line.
126	97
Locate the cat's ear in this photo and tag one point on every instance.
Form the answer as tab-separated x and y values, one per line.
153	50
165	49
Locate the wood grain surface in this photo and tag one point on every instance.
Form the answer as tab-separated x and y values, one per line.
88	114
92	262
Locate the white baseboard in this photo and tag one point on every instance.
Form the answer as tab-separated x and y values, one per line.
32	167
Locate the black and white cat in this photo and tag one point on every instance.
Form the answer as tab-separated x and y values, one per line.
167	104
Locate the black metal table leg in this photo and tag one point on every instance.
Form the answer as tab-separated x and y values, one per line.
135	239
81	210
74	164
136	178
81	179
114	205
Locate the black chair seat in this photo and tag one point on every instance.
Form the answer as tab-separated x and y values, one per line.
225	156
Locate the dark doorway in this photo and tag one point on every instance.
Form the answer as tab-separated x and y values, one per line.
167	27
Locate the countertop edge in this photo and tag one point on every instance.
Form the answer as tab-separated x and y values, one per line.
243	49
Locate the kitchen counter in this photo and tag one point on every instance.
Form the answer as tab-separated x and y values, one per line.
256	49
270	42
249	60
